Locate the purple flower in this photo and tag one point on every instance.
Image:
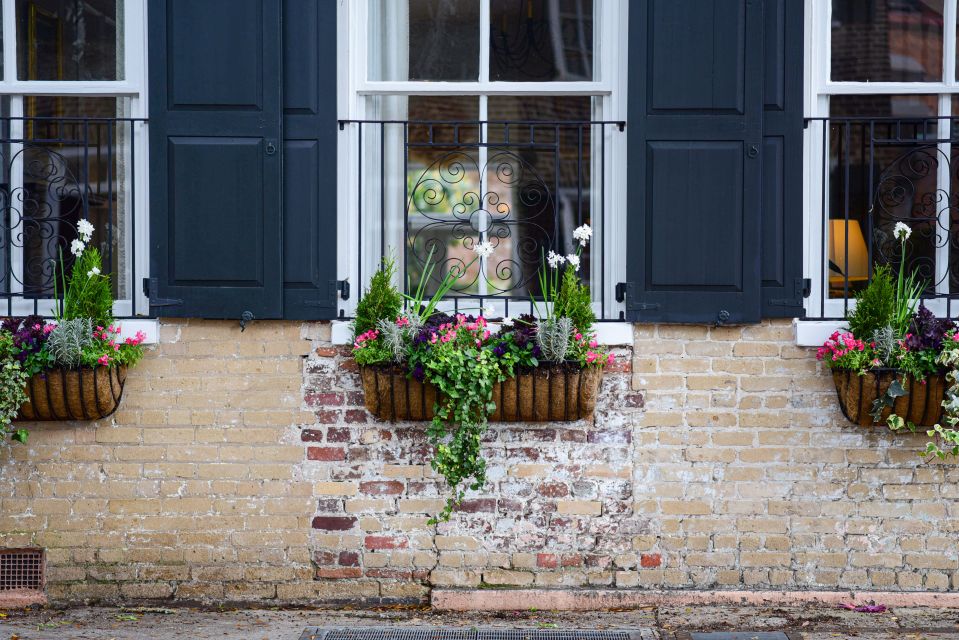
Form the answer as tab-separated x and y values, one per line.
926	331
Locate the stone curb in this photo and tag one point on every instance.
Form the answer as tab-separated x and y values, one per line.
596	599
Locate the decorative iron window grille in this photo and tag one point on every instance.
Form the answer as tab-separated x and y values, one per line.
432	190
21	569
55	172
875	173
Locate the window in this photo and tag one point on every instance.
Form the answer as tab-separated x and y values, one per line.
72	145
483	121
884	101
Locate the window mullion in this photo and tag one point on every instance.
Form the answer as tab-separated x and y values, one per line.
944	150
484	31
949	43
9	41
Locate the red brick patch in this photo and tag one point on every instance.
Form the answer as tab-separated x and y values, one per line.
324	399
311	435
326	352
389	574
355	416
650	560
547	560
382	488
384	542
338	434
327	417
349	559
339	573
478	505
572	561
553	490
326	454
334	523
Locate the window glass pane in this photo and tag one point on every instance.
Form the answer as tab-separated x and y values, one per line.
543	174
884	158
424	40
541	40
74	163
887	40
70	39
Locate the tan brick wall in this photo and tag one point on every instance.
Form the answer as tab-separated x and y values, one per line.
242	466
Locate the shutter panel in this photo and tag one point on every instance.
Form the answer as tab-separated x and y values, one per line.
782	231
309	159
215	162
694	167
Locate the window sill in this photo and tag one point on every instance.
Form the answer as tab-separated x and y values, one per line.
607	333
812	333
129	328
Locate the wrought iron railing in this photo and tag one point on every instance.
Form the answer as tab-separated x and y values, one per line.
430	191
875	173
55	172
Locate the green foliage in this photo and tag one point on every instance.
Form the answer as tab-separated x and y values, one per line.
464	374
946	438
88	293
68	341
573	300
875	306
380	302
13	382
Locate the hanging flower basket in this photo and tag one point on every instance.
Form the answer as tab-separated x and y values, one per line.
546	394
87	393
922	405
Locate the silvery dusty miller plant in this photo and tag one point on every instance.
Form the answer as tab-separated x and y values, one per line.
69	339
553	336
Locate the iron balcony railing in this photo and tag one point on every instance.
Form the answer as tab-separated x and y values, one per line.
423	190
875	173
55	172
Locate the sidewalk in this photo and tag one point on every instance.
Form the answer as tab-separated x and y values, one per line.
812	622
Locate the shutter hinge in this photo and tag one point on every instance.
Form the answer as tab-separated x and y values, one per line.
624	293
343	286
150	288
801	290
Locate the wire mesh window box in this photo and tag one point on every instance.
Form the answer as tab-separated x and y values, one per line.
86	393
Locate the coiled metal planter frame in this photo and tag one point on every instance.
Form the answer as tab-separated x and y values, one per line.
553	393
87	393
922	405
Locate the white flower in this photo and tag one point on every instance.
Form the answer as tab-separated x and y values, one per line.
573	260
95	271
583	234
77	247
488	311
554	259
85	229
484	249
902	231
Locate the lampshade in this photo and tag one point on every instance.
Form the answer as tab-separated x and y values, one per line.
857	265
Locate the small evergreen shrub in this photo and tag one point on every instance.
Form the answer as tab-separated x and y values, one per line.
875	305
380	302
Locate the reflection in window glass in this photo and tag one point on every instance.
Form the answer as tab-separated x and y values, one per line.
65	156
887	40
424	40
69	39
540	40
889	167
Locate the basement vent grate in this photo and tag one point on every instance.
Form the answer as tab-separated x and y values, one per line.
439	633
21	569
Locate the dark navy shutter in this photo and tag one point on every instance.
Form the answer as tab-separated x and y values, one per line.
309	155
215	158
695	138
782	230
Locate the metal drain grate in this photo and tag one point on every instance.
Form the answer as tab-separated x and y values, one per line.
425	633
21	569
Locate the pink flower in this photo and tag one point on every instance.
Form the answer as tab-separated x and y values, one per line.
593	344
578	336
49	328
402	321
591	357
609	359
486	335
104	360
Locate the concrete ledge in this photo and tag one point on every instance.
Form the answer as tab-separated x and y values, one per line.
596	599
20	598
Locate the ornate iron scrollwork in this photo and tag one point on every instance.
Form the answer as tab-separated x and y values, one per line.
514	212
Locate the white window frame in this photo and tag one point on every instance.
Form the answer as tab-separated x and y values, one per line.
818	88
354	88
134	88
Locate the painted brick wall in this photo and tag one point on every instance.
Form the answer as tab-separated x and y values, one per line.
243	467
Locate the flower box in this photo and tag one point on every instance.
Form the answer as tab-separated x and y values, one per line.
546	394
87	393
922	405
